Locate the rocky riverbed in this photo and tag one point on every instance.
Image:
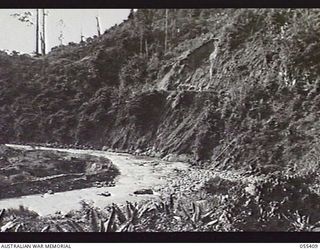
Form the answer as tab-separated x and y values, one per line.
136	173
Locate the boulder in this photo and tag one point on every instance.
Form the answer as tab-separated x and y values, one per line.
98	184
144	191
110	184
170	157
138	151
105	194
50	192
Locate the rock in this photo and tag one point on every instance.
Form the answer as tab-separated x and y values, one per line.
157	154
144	191
99	185
251	189
50	192
105	194
183	157
138	151
68	215
166	157
171	157
104	148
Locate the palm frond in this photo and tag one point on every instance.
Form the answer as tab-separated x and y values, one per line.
8	226
19	227
110	223
121	216
45	229
102	227
60	229
94	220
2	213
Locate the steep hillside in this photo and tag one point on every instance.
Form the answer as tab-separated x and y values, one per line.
258	96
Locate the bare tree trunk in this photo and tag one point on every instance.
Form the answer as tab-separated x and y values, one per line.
98	26
166	33
141	41
146	45
43	32
81	36
174	28
37	32
41	42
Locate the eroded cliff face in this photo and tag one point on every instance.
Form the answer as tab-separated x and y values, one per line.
255	100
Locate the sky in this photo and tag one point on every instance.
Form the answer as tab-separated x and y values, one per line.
18	36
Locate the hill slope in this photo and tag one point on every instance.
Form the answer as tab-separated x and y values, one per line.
122	91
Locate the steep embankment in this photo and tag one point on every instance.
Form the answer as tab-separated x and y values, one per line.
122	90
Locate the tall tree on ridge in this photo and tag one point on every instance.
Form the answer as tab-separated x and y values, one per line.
166	33
27	17
98	26
61	35
43	35
145	22
37	32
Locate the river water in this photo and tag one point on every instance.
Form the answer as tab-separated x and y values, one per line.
135	173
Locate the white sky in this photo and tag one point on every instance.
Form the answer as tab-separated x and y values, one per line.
15	35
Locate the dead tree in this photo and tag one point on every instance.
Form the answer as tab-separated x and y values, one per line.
61	27
26	17
37	32
166	33
213	57
98	26
43	34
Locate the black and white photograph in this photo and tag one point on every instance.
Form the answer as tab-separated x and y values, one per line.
160	120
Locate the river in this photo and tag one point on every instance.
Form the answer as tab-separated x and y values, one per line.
135	173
